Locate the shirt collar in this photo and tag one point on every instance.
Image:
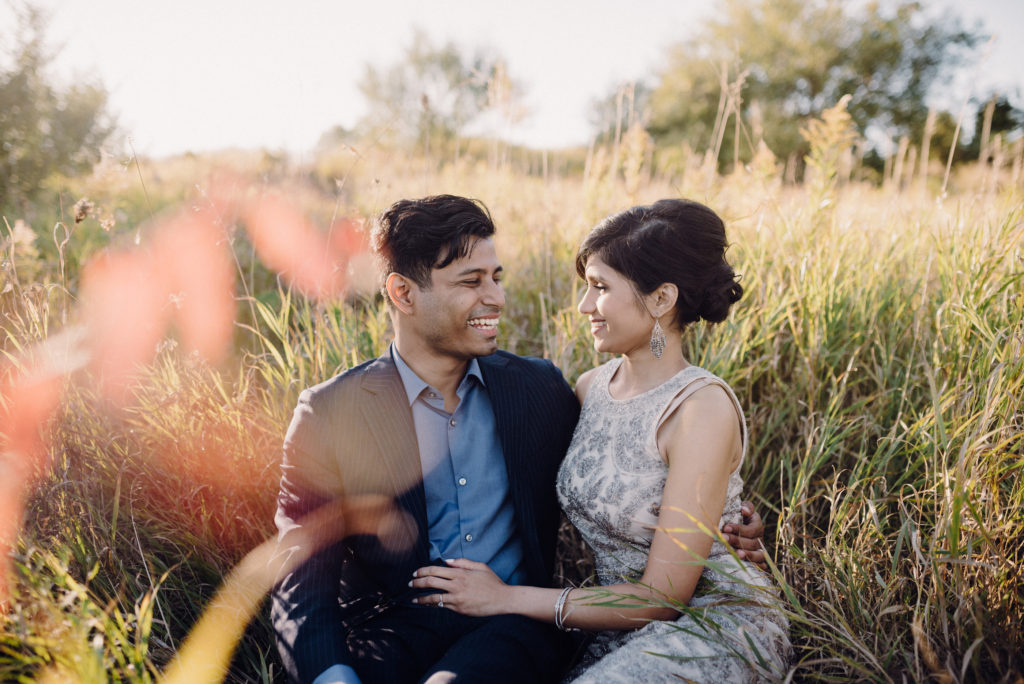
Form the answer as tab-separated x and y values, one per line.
414	384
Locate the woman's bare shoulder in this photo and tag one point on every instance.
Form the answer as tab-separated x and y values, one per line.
703	425
583	384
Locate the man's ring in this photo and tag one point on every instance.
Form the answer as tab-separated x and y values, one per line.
440	602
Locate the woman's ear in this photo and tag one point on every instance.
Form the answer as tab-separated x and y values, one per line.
400	292
661	301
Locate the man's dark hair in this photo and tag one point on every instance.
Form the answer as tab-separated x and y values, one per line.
416	236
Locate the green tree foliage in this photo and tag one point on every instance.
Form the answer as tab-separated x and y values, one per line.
44	129
617	110
787	60
1003	119
429	97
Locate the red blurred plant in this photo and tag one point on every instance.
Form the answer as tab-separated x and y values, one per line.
30	401
130	298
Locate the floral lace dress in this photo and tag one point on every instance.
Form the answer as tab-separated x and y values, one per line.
610	486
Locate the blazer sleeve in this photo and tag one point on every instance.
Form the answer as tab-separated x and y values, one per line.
537	428
566	408
305	608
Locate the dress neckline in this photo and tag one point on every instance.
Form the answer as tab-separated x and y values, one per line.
616	363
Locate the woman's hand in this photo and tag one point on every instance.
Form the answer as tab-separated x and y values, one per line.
472	588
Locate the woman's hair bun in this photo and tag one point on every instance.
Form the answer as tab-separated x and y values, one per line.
671	241
720	296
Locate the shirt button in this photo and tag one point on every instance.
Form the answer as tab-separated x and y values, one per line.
469	537
462	481
452	423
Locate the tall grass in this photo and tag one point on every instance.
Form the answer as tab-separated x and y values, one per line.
877	350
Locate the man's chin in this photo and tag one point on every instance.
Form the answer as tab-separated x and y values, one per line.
486	348
475	350
482	340
490	348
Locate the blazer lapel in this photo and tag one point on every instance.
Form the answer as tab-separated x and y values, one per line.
509	401
385	408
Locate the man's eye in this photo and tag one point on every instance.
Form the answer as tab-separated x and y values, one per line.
471	283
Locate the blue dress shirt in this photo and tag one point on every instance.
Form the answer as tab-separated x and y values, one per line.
469	507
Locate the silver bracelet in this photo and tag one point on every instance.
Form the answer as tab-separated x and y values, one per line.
559	609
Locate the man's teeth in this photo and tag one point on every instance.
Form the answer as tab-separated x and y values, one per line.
488	323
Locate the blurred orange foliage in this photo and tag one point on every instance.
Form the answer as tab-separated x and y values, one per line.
131	297
31	401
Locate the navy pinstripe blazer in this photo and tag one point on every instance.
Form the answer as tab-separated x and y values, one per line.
353	435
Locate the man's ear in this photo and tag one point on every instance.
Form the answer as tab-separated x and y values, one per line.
400	291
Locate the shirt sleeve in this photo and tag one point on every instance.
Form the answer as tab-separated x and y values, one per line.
337	674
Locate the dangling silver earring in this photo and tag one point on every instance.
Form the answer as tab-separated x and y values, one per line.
657	340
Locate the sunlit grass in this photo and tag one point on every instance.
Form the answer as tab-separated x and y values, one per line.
878	350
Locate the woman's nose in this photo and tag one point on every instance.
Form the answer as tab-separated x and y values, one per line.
586	304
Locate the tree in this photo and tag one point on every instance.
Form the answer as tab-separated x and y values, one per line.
44	130
430	96
788	60
997	116
616	111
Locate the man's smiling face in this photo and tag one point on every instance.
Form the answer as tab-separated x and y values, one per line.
458	315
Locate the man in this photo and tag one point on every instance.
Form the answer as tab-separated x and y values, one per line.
464	438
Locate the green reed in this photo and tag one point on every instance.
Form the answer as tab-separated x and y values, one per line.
877	352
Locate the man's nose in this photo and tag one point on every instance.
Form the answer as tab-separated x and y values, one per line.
495	295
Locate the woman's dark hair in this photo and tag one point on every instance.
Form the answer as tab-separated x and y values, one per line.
671	241
413	237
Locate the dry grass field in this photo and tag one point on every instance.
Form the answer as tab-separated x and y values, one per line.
878	350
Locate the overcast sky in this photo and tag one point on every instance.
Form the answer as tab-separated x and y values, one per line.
207	74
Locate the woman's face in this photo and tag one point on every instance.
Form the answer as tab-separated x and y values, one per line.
618	321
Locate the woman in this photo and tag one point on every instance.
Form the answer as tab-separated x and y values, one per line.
652	470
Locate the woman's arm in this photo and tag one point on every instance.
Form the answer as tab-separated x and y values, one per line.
701	441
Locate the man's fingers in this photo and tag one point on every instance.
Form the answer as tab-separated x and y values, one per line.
748	543
747	537
739	543
752	530
756	557
750	525
754	523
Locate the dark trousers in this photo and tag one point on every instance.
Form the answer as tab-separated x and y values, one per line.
411	643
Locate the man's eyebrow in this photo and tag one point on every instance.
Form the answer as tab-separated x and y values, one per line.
474	271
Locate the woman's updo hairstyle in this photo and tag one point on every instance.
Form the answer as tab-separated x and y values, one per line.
671	241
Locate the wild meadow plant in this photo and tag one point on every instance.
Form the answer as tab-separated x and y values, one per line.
878	352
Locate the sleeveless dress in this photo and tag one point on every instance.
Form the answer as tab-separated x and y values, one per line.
610	486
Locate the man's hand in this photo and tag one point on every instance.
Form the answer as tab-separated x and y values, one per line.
748	537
